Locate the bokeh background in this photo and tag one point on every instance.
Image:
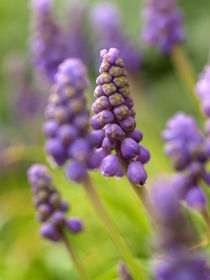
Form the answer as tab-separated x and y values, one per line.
23	254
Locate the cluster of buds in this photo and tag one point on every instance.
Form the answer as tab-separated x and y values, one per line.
189	152
175	234
114	121
67	121
49	44
163	24
107	23
51	209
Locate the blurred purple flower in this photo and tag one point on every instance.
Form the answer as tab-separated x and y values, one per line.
163	24
113	110
175	234
107	23
78	43
187	148
49	44
67	121
51	209
203	92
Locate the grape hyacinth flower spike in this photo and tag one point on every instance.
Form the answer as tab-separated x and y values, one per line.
67	121
163	24
114	114
51	211
164	29
175	235
188	149
49	45
70	141
107	23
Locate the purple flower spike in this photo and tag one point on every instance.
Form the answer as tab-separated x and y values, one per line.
51	209
49	46
188	150
75	225
174	235
121	138
67	121
107	24
163	25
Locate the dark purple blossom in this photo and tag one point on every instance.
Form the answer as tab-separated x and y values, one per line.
67	122
107	23
186	146
51	209
163	24
115	122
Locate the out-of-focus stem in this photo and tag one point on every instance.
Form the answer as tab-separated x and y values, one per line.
77	262
186	72
137	271
206	217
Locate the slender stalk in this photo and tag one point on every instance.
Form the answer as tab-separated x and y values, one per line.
77	262
186	71
112	229
140	191
206	217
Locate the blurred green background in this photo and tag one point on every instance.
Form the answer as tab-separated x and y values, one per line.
23	254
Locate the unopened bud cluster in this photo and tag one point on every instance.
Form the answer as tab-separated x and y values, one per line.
51	209
114	121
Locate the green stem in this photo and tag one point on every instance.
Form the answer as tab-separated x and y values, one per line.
186	71
112	229
77	262
206	217
140	191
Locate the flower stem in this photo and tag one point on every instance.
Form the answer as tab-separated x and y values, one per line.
186	71
206	217
77	262
112	229
140	191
